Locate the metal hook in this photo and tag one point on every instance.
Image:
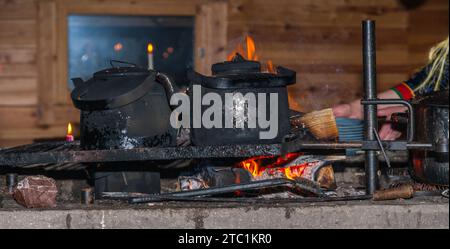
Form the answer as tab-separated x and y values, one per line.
382	147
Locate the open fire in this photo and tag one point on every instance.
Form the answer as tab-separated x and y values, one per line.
292	166
247	49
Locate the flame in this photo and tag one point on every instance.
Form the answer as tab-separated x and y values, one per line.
150	48
270	67
293	172
251	48
249	52
293	103
254	165
247	49
69	129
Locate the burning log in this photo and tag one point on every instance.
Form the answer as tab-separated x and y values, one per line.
292	166
36	192
213	177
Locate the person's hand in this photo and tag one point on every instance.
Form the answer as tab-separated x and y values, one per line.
387	111
387	133
350	110
354	110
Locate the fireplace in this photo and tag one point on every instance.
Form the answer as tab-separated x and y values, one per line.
296	166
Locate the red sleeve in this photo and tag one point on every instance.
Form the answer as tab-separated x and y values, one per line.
404	91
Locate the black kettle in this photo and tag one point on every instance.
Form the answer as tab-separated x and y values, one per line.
124	107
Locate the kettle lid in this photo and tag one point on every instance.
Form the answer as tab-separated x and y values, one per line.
113	87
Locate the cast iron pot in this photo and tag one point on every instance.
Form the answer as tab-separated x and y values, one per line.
241	76
432	123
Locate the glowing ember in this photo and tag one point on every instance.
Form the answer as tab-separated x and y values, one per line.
272	166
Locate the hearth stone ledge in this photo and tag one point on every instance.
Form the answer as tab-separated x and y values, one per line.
351	215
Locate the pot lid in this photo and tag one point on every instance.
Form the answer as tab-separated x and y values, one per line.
241	73
113	87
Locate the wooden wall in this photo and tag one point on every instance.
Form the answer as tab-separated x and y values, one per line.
320	39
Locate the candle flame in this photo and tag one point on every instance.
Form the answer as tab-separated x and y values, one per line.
150	48
69	129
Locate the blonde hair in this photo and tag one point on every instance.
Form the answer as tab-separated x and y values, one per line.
438	58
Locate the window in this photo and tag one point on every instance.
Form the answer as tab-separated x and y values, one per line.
95	40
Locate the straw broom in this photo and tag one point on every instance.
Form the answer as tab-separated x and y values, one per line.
322	124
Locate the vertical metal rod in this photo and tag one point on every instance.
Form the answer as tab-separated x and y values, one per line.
370	111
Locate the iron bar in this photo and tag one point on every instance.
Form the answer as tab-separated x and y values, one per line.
73	154
302	184
370	110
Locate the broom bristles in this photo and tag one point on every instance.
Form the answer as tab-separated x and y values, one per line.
322	124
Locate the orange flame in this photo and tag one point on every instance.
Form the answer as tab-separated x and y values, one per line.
69	129
249	52
253	165
293	172
247	49
251	48
270	67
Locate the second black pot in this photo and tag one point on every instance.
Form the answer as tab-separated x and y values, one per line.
240	77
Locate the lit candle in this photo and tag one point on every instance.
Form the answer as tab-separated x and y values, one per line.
69	136
150	56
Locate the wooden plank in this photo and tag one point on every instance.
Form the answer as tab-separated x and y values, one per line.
318	5
17	84
17	117
47	63
307	101
17	32
210	35
348	68
317	15
344	80
132	7
14	142
17	55
17	9
35	133
18	70
328	54
26	117
312	35
28	98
